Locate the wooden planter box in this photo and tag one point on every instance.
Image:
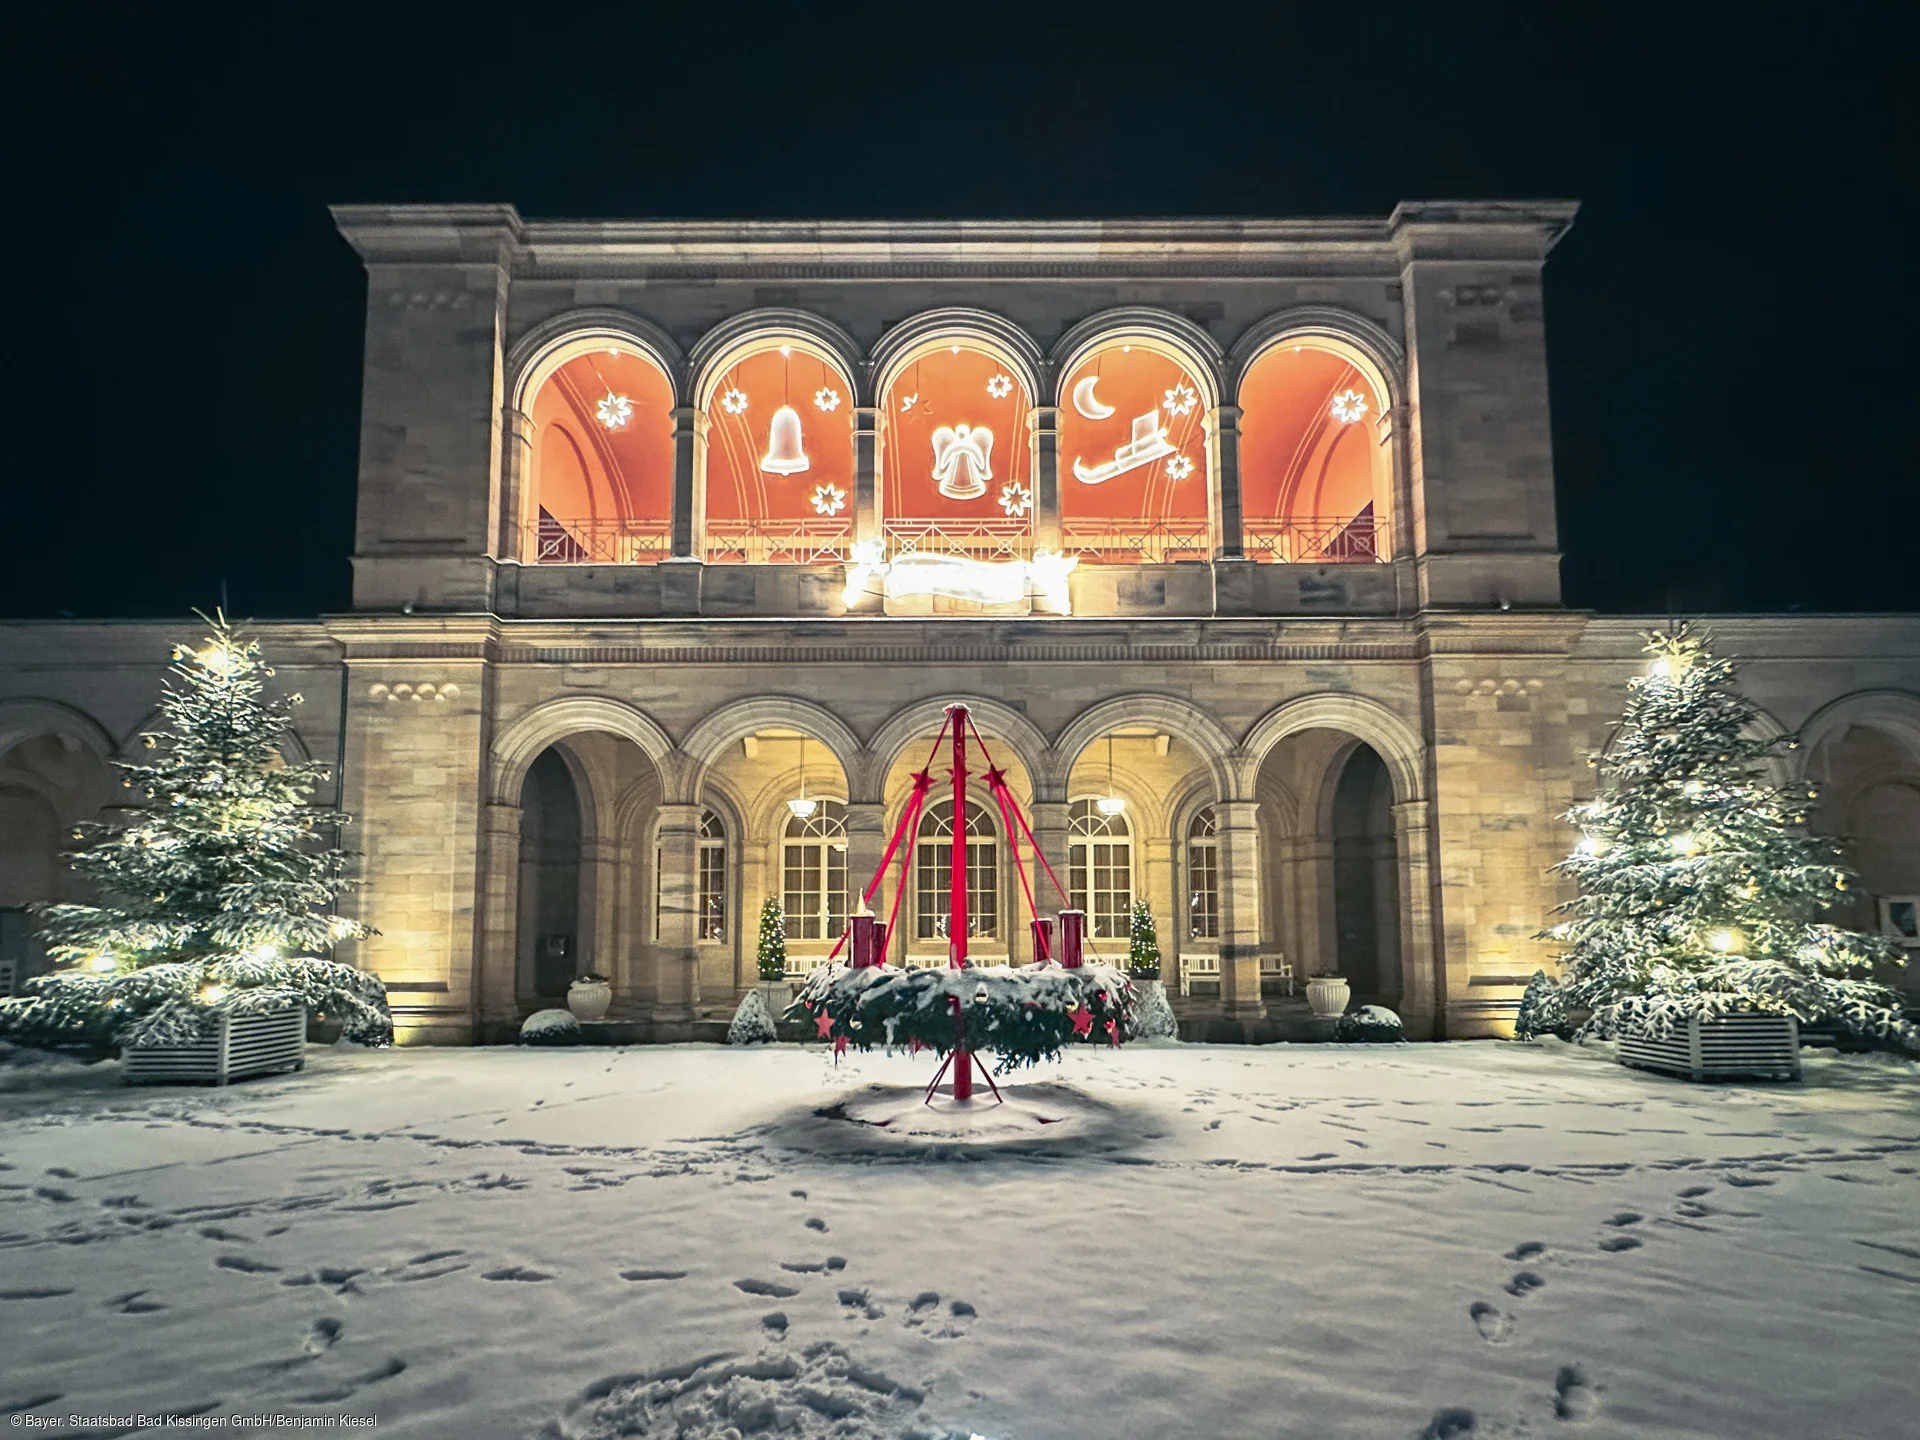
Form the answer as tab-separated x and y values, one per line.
240	1045
1754	1047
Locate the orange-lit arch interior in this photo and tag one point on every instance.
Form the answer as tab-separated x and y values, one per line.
1315	465
602	492
762	504
1133	457
941	390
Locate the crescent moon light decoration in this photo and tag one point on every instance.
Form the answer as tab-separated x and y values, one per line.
1085	402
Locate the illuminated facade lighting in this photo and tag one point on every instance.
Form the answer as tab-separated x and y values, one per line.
615	411
1180	400
1000	386
1349	406
734	402
1179	468
829	500
826	399
1016	500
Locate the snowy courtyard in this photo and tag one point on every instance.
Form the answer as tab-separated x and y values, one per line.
1317	1241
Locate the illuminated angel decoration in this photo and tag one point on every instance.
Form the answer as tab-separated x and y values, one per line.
826	399
1181	399
615	411
1349	406
962	460
1016	500
734	402
829	500
1000	386
1179	468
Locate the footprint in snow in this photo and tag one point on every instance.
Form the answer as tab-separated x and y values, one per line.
347	1390
853	1298
336	1278
1613	1244
798	1194
322	1335
653	1274
1449	1424
1526	1250
46	1293
1694	1192
923	1312
769	1288
232	1237
1625	1218
1747	1182
831	1265
1574	1396
245	1265
775	1321
1494	1324
814	1222
1318	1155
63	1172
132	1304
1524	1282
516	1272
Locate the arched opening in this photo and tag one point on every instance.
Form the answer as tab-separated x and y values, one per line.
933	881
601	484
956	469
1366	886
48	783
1316	454
1868	798
1135	485
550	845
779	454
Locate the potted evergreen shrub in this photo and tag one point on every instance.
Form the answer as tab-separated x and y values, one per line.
589	996
770	957
1697	939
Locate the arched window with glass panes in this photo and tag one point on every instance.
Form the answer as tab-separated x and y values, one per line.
814	871
1100	868
1203	876
933	873
711	881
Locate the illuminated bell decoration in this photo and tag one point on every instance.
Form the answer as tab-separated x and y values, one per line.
784	455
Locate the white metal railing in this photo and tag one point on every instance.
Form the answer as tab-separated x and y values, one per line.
1317	539
1139	542
778	542
969	539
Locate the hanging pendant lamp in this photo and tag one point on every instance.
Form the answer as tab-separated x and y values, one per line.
801	806
1110	804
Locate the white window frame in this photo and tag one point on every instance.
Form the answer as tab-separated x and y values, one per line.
821	845
1082	840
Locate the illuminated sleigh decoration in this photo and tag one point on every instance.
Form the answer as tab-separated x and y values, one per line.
1022	1014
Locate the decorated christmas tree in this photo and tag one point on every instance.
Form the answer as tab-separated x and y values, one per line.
1701	890
1143	941
216	881
771	954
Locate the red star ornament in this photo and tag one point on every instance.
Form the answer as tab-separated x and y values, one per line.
823	1024
1082	1021
1113	1034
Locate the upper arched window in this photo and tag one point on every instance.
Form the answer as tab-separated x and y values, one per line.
779	473
1133	456
1100	868
814	865
600	487
1316	454
933	873
957	471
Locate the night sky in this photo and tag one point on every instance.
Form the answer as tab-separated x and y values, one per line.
1731	321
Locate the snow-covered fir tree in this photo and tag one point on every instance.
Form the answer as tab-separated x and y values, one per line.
1143	941
752	1022
216	880
1701	889
771	953
1543	1008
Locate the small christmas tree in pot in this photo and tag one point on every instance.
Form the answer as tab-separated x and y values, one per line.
1153	1017
216	885
1699	920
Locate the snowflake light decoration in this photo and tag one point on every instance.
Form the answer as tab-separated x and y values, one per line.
615	411
826	399
829	500
734	402
1179	468
1349	406
1016	500
1181	399
1000	386
907	402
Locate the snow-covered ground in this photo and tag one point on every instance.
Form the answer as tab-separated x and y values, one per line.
1484	1240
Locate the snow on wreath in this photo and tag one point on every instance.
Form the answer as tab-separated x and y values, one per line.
216	880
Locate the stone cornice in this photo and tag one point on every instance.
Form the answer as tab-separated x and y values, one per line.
906	249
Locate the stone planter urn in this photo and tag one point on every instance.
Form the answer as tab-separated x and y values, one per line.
588	998
1327	996
776	995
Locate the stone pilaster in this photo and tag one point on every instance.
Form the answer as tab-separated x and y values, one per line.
866	473
497	1003
1043	440
1412	840
515	541
1222	426
679	983
689	464
1239	841
1049	820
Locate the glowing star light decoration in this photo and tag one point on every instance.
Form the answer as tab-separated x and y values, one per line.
1016	500
615	411
829	500
826	399
1000	386
1349	406
734	402
1179	468
1181	399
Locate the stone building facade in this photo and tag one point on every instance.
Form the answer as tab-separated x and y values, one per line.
676	539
